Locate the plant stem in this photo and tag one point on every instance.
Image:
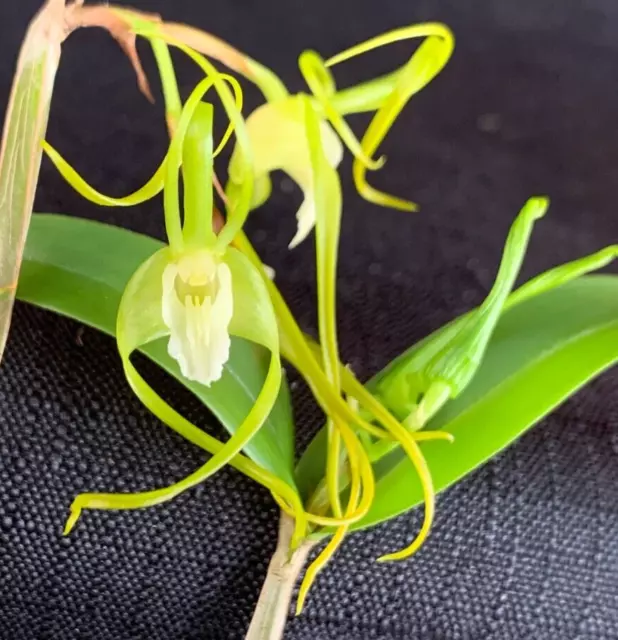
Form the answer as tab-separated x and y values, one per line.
271	612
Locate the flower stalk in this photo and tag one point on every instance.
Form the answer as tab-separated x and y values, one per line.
273	606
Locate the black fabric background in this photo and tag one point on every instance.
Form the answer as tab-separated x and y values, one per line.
524	548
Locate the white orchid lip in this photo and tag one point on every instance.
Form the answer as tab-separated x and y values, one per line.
197	308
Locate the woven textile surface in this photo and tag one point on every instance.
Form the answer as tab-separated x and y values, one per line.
524	548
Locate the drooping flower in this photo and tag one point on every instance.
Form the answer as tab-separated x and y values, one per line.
277	129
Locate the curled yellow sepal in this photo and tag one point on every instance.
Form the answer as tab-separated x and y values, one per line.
328	201
393	93
155	184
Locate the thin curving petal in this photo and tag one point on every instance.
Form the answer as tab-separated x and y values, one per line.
322	84
426	62
153	187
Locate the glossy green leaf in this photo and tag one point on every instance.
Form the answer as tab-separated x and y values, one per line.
543	350
80	268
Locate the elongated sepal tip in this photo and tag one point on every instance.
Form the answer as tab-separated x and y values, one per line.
408	551
393	202
304	589
391	557
537	206
430	436
409	206
300	603
374	165
72	520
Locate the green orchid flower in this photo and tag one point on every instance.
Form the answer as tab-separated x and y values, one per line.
278	139
277	128
196	293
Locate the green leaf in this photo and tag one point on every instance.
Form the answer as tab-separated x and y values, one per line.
542	351
80	268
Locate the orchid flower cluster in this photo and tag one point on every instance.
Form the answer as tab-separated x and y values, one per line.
208	286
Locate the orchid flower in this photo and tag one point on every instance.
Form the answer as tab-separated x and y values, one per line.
196	293
278	139
277	129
